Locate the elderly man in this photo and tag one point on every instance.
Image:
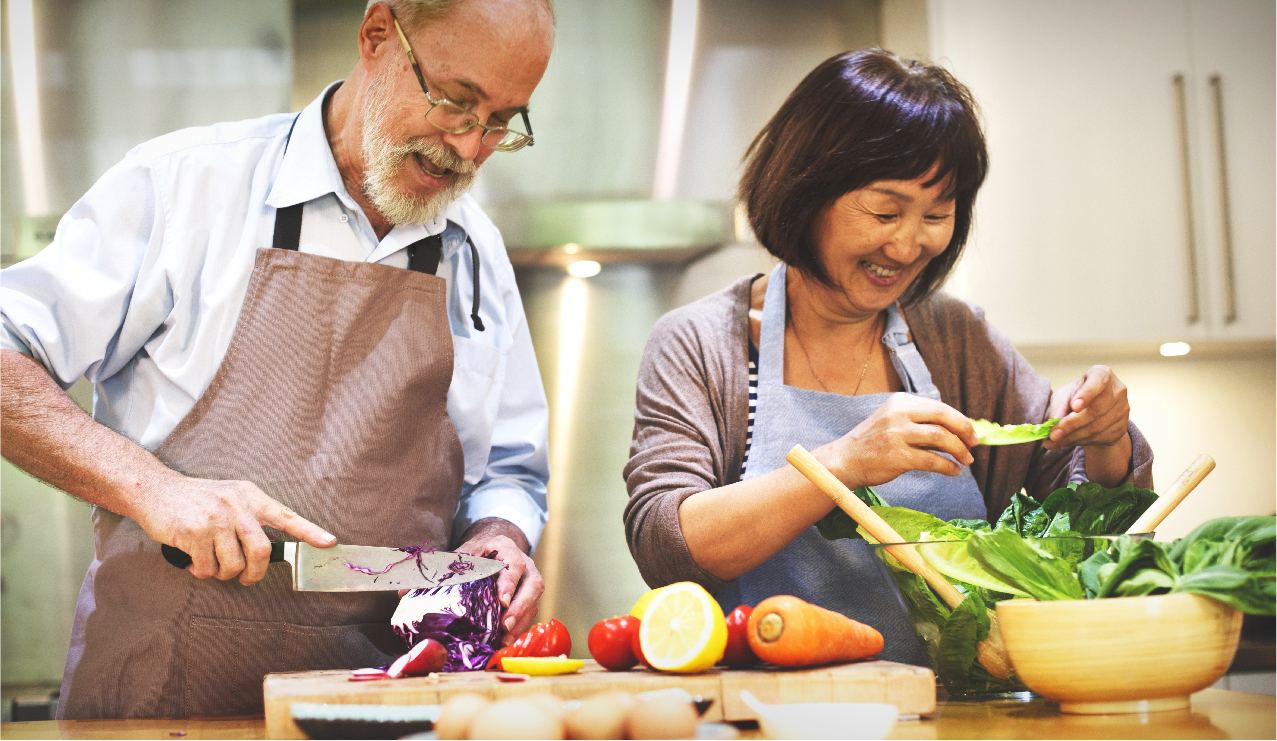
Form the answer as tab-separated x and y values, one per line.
298	323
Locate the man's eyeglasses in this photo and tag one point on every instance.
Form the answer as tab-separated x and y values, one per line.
454	119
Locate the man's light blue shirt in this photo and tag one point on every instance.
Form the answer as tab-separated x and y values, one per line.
142	286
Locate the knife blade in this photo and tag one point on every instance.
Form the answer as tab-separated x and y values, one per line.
364	568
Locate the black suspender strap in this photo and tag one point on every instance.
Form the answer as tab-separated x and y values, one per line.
424	254
474	308
288	228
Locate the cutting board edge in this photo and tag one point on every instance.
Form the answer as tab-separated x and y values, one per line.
911	689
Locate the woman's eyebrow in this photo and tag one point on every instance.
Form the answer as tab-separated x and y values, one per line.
894	193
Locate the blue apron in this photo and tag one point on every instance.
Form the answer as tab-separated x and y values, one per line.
843	575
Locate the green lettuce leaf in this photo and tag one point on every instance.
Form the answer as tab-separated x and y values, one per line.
1025	566
1090	509
838	524
992	433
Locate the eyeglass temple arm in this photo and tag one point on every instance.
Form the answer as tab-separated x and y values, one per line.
527	125
412	58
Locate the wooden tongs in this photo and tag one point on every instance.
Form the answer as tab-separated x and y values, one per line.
991	652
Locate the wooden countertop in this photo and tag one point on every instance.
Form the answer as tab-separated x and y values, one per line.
1214	714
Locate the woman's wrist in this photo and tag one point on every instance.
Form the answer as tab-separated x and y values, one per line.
1109	465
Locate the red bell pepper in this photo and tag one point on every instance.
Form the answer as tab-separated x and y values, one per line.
544	639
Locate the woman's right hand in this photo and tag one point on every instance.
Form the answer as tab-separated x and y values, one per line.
906	433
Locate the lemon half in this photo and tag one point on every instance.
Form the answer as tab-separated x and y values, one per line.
683	629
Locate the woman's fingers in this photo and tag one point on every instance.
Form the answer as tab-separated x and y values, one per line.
1094	410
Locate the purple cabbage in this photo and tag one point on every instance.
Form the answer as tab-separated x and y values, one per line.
465	618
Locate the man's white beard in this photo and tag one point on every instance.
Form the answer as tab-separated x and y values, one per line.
384	159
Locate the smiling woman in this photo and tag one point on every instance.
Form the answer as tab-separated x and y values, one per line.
863	185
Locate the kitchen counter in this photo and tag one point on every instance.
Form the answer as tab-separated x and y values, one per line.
1214	714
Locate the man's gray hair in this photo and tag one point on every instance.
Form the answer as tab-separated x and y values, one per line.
413	13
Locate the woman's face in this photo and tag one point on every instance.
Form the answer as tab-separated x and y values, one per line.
874	241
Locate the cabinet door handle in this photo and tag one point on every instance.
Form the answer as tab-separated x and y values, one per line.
1181	106
1225	215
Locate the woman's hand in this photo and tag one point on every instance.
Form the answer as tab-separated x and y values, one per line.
906	433
1094	414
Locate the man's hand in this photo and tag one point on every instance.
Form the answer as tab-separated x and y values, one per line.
519	586
219	525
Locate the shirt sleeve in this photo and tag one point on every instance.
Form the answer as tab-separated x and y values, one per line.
70	307
513	486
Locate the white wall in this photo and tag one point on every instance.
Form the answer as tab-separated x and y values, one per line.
1224	406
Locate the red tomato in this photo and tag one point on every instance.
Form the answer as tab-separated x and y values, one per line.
738	653
609	642
636	646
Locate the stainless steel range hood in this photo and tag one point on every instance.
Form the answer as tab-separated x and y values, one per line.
613	231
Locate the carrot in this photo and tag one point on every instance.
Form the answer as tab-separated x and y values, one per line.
787	631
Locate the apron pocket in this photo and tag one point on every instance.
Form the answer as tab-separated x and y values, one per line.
224	660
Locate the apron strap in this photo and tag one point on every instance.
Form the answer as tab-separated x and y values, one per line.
288	228
424	254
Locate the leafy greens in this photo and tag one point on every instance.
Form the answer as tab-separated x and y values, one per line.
992	433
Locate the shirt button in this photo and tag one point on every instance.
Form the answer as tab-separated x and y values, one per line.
344	218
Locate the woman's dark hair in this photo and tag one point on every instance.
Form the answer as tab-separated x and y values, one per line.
860	117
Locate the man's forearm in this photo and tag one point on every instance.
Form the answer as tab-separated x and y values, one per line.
45	434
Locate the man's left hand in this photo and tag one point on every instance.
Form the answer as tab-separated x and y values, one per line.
519	586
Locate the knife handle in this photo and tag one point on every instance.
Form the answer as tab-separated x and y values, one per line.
180	559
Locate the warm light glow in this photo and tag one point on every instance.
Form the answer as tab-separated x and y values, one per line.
678	85
584	269
572	308
27	103
1171	349
571	248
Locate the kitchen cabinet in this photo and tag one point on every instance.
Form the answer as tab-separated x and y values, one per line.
1131	187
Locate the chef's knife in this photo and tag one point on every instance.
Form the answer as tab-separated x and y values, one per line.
364	568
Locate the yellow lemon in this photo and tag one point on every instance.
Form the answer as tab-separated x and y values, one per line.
540	665
643	602
683	629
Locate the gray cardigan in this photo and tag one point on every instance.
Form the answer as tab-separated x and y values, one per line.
692	407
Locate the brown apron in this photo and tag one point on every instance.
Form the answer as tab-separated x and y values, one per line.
332	398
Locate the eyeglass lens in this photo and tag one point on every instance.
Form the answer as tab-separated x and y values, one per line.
453	118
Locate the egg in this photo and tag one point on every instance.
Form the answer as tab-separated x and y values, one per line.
660	716
457	715
600	716
519	717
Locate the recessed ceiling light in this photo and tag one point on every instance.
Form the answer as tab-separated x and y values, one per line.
571	248
1171	349
584	268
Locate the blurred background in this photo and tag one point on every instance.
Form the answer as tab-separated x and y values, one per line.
1128	218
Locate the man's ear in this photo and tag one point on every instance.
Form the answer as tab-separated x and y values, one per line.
377	30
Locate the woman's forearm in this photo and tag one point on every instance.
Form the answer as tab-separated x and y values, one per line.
732	529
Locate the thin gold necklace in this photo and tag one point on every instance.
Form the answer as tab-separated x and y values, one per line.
868	356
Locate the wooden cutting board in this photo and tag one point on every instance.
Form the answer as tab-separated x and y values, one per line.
911	689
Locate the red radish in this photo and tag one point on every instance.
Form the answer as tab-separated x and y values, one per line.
425	657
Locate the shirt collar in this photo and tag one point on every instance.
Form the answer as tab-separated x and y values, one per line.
309	171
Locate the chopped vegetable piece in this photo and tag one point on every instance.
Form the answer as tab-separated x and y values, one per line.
540	666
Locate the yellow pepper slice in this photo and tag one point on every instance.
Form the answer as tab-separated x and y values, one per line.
540	665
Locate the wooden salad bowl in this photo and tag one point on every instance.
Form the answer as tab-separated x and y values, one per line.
1120	654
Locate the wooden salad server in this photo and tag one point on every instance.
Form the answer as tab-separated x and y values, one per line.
991	652
1186	482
